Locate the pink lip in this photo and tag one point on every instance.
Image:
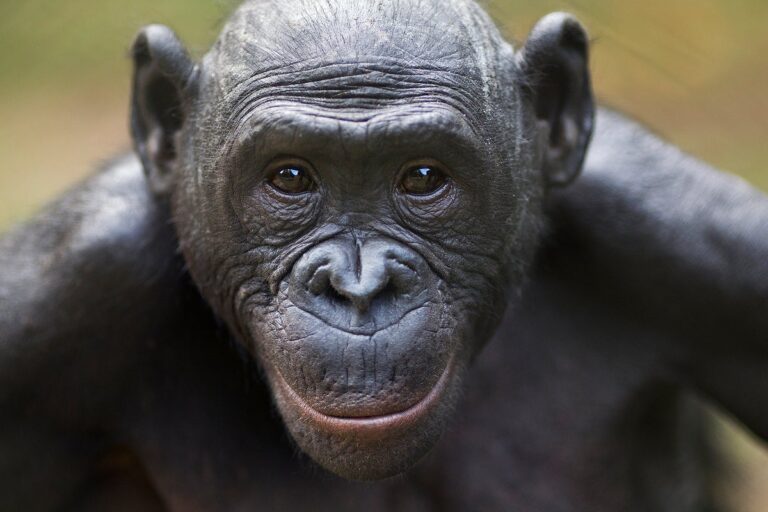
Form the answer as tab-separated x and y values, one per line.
369	424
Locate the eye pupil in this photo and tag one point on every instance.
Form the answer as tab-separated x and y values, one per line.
289	174
422	180
292	180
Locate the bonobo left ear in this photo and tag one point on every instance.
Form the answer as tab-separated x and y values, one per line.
163	81
555	78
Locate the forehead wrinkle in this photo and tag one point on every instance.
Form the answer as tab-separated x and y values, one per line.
272	114
441	120
353	87
287	72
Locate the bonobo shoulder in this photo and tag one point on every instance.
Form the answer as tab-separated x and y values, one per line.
99	248
89	212
108	219
631	170
630	156
670	228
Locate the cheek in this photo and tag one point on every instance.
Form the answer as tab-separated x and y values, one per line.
272	219
479	276
226	266
431	215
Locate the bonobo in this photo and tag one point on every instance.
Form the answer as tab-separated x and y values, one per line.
379	204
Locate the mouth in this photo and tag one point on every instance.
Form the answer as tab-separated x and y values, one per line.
368	426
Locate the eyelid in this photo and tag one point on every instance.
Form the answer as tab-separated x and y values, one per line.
282	162
278	163
420	163
423	162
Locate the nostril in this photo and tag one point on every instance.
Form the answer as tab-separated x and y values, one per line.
390	292
325	284
340	288
403	278
320	281
334	296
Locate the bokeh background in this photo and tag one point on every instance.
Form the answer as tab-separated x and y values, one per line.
695	71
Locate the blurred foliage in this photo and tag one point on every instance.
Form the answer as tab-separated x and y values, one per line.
64	85
695	71
50	42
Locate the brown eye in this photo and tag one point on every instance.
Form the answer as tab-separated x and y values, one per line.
292	179
422	180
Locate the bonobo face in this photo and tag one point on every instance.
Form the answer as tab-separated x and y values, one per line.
354	270
356	195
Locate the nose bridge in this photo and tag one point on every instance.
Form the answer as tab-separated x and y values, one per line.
361	280
363	274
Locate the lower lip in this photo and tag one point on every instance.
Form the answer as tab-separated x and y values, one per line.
372	424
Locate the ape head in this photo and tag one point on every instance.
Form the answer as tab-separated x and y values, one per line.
357	190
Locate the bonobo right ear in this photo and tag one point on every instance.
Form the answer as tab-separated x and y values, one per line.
555	79
163	83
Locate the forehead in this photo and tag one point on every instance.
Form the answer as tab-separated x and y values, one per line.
293	30
335	46
355	91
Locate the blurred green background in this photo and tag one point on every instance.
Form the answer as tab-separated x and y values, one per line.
696	71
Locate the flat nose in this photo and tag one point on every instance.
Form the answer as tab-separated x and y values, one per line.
375	276
360	274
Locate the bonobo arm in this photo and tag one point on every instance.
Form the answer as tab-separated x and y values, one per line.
89	289
684	247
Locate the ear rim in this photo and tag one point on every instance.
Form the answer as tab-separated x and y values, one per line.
558	43
158	53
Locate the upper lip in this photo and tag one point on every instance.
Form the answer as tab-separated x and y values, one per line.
369	328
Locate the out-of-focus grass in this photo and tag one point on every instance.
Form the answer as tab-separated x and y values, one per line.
696	71
64	76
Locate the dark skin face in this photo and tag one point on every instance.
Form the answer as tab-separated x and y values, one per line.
357	195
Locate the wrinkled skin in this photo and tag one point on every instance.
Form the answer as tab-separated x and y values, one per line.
362	301
360	195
